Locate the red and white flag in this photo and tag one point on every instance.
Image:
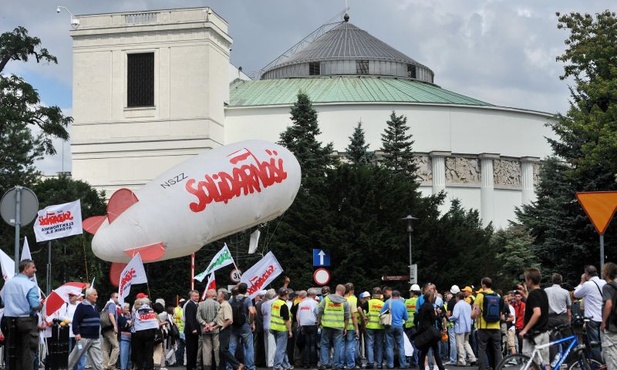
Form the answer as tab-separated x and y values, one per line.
133	273
261	274
60	296
211	284
7	264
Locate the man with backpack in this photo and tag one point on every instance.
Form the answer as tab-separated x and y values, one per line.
487	309
243	326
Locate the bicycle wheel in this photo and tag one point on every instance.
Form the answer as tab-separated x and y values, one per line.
576	364
517	362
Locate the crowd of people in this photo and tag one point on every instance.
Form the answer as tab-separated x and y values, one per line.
316	328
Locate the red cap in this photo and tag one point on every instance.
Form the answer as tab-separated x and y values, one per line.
141	295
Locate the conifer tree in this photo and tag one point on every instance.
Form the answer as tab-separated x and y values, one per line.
397	147
357	150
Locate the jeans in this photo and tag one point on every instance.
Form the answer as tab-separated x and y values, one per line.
452	342
350	349
245	334
374	347
225	355
125	354
280	337
331	338
180	350
394	334
309	355
593	333
489	340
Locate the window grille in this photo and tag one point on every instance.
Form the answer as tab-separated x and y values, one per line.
140	80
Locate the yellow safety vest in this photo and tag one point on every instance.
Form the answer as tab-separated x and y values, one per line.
276	320
352	300
333	314
374	308
410	304
178	313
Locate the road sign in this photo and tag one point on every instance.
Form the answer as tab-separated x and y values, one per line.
321	257
235	275
395	278
414	274
28	206
321	276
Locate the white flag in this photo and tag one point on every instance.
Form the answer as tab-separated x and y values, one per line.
133	273
26	255
7	264
58	221
254	241
220	260
261	274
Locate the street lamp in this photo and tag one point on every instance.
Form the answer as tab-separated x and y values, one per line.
74	21
410	219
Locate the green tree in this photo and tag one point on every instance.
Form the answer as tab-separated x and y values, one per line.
515	253
357	150
301	139
585	146
397	145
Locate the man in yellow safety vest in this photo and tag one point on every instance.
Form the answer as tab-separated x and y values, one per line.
374	330
333	314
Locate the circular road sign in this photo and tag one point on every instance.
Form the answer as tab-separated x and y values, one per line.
28	202
235	275
321	276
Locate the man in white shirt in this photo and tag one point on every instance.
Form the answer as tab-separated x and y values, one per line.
266	312
590	288
307	320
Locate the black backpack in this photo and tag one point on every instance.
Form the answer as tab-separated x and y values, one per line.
238	312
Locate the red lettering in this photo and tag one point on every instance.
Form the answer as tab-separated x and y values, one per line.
244	179
51	218
258	281
127	278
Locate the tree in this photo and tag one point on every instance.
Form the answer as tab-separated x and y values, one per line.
301	139
397	146
357	150
586	149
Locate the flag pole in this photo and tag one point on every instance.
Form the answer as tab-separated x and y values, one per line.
192	271
49	267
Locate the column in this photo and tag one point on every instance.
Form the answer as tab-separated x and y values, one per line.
527	185
487	189
438	169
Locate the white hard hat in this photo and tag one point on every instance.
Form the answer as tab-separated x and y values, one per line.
455	289
414	288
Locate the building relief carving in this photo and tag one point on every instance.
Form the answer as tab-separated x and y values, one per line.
460	170
507	172
536	173
425	172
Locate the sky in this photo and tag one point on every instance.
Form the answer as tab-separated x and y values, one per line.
502	52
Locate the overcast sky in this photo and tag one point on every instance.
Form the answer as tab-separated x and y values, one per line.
502	52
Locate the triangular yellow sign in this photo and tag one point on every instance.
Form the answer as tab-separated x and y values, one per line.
600	206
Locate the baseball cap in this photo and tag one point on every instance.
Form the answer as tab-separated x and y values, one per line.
182	300
365	295
141	295
467	289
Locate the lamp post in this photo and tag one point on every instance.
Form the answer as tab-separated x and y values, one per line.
74	21
410	219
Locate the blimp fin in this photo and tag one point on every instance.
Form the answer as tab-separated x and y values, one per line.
119	202
92	224
148	253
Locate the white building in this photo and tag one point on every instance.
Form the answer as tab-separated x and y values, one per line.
152	88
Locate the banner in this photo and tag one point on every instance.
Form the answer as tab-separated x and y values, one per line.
133	273
220	260
261	274
58	221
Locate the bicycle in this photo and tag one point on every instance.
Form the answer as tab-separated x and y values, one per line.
523	362
581	322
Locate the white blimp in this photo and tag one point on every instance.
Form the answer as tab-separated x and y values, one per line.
217	193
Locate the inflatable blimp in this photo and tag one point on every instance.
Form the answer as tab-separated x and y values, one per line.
217	193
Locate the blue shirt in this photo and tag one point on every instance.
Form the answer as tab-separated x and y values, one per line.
461	316
398	310
20	296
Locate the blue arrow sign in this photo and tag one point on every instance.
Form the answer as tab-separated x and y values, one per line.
321	257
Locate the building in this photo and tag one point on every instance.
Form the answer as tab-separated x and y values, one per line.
485	155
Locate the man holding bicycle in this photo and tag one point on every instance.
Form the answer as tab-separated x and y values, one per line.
590	288
535	331
609	321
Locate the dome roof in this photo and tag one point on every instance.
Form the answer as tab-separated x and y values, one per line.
348	50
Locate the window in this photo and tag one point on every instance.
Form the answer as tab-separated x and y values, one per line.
411	71
314	68
140	80
362	67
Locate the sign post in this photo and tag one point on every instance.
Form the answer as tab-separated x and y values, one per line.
18	207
